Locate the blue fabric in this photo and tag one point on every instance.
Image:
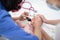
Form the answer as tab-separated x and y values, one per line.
1	6
9	29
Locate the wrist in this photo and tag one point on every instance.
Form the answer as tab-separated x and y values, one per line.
45	21
37	27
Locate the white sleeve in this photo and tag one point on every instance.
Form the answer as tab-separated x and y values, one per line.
58	24
57	37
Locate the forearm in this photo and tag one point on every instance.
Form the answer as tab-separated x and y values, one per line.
52	21
49	21
37	32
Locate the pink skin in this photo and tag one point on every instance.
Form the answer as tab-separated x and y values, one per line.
58	3
27	27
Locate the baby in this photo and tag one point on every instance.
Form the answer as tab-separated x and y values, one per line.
24	22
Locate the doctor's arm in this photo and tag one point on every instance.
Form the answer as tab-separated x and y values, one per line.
36	23
53	22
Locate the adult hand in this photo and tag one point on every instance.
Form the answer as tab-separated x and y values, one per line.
36	21
43	18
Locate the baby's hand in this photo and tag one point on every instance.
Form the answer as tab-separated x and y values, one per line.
36	21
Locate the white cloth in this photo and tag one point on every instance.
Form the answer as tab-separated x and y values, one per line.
57	36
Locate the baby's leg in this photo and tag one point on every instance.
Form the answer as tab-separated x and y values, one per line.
45	35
